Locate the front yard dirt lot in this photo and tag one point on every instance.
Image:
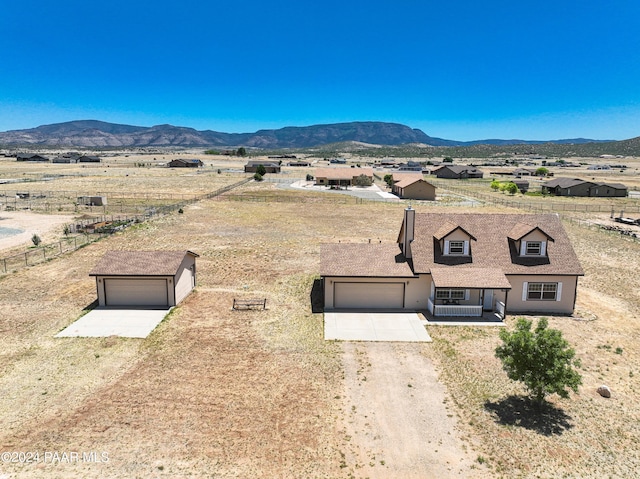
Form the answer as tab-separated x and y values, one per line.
219	393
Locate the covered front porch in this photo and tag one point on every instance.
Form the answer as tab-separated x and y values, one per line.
468	293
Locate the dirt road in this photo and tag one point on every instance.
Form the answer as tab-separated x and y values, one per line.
397	421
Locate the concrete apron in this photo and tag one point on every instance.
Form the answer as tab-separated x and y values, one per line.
360	326
126	323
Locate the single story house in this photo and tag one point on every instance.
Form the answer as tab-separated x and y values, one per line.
457	172
30	157
523	172
450	264
410	166
299	163
412	186
340	176
89	159
144	278
185	163
270	167
92	200
598	167
576	187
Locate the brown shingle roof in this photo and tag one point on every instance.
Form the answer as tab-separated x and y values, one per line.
493	248
342	173
521	229
140	263
364	260
490	278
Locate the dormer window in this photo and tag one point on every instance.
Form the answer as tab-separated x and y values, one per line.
533	248
456	247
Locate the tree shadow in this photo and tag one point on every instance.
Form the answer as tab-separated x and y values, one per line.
317	297
545	419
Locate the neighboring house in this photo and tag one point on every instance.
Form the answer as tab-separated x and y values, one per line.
599	167
252	166
577	187
89	159
457	172
523	172
69	157
339	161
92	200
299	163
30	157
457	265
340	176
410	166
412	186
145	278
523	185
182	163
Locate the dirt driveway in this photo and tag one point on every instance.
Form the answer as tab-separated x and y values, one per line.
397	419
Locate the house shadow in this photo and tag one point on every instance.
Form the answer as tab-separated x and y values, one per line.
317	297
545	419
89	307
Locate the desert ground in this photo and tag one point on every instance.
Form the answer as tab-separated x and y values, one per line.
219	393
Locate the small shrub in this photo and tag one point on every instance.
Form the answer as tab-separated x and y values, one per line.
257	177
35	239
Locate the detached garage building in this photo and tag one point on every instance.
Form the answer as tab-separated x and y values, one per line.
158	279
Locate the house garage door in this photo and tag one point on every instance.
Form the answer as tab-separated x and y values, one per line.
136	292
368	295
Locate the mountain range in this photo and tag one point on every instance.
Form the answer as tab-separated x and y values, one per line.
99	134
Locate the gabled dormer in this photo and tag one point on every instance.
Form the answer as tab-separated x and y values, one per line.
454	240
529	241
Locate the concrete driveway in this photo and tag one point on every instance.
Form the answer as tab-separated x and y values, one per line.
126	323
353	326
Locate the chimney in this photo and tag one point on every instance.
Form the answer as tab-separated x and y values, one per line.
408	230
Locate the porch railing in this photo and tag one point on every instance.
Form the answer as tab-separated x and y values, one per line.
454	310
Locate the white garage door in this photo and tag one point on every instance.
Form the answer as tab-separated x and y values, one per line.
368	295
136	292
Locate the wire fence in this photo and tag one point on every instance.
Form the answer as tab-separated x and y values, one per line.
88	230
632	206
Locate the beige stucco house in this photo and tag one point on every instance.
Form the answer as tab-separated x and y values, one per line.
144	278
412	186
457	265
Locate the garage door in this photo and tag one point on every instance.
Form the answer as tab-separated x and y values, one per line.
368	295
136	292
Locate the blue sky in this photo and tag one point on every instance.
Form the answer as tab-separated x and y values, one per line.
457	69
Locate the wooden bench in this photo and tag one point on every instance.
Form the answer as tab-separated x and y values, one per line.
249	303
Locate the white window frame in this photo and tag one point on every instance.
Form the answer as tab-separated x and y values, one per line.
524	248
447	294
533	248
461	247
552	291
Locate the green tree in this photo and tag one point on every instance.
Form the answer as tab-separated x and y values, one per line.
388	179
541	359
241	151
511	188
362	180
447	159
257	177
542	171
261	170
495	185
